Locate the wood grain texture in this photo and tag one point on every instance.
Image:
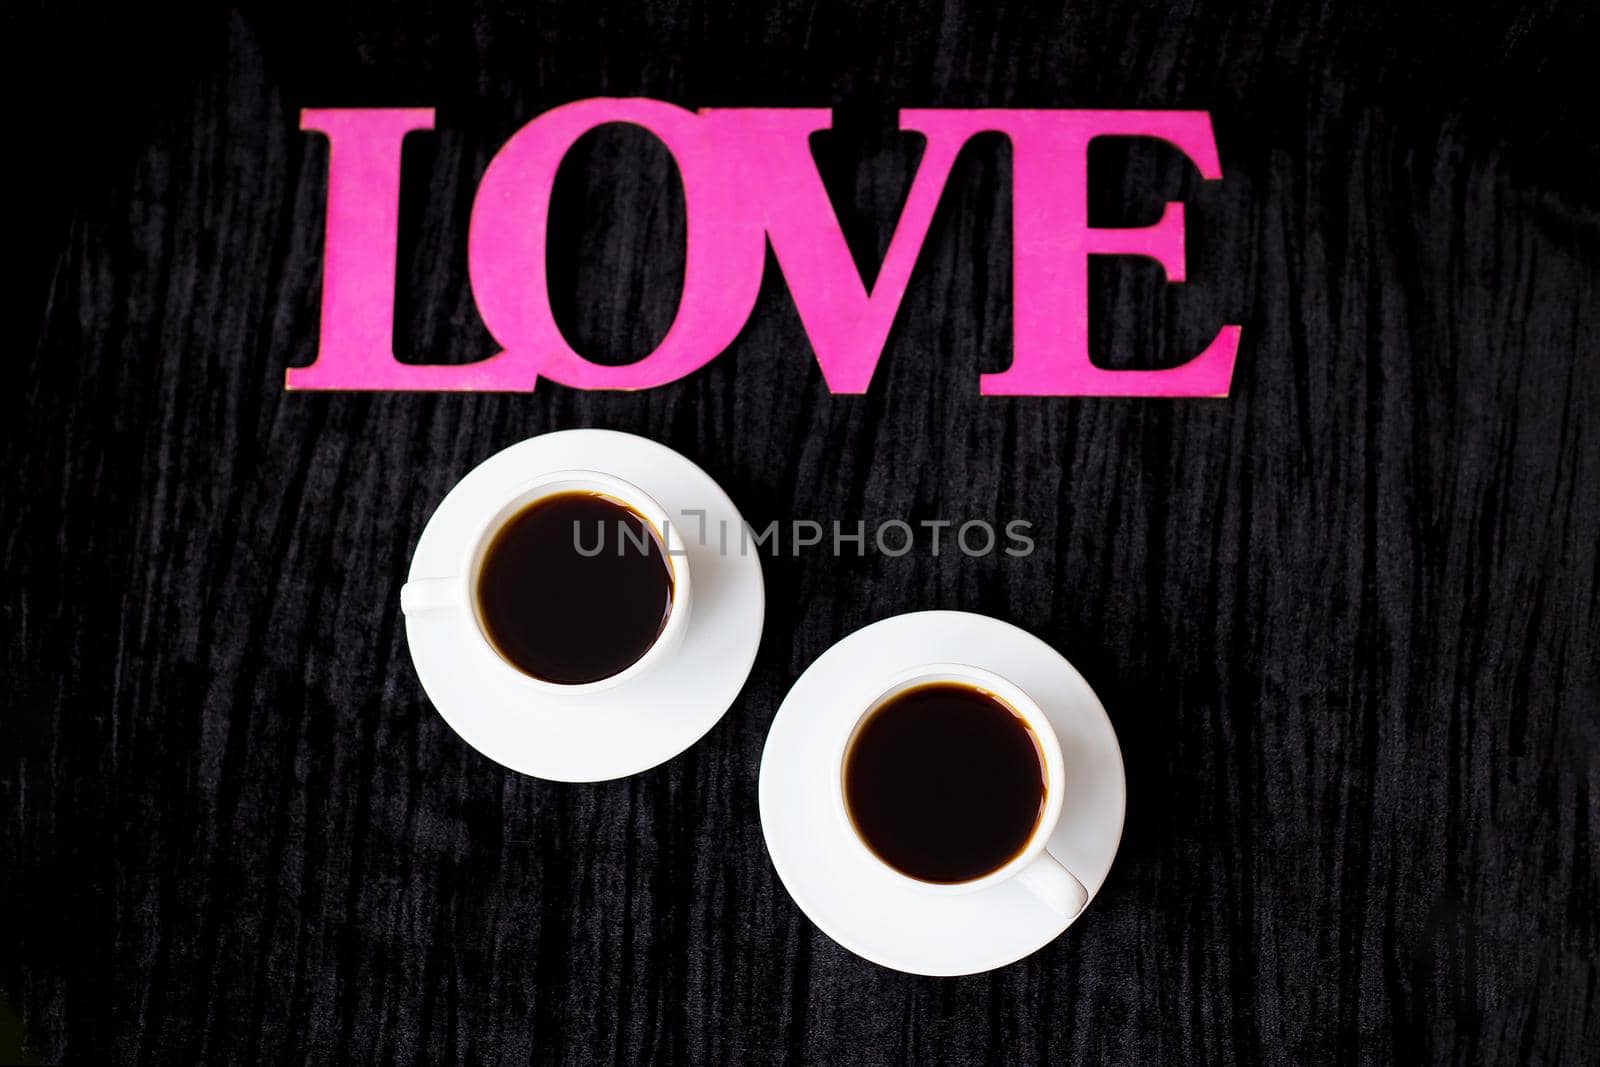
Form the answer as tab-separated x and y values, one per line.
1346	622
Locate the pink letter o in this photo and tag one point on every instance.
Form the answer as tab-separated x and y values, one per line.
724	255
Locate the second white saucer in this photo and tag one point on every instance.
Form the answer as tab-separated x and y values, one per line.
855	900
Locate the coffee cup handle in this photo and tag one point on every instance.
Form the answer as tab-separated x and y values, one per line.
1048	879
429	594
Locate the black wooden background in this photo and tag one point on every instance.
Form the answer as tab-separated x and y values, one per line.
1346	621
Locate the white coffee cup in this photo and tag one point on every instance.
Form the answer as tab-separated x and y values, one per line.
458	592
1033	866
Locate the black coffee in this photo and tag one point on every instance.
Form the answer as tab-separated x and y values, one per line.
945	783
564	615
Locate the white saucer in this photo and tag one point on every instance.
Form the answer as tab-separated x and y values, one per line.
861	905
638	723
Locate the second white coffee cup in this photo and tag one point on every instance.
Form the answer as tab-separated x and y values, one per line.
1045	876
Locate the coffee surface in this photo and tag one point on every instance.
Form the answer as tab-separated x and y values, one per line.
945	783
562	615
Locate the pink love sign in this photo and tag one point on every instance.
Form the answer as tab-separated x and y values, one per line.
748	178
